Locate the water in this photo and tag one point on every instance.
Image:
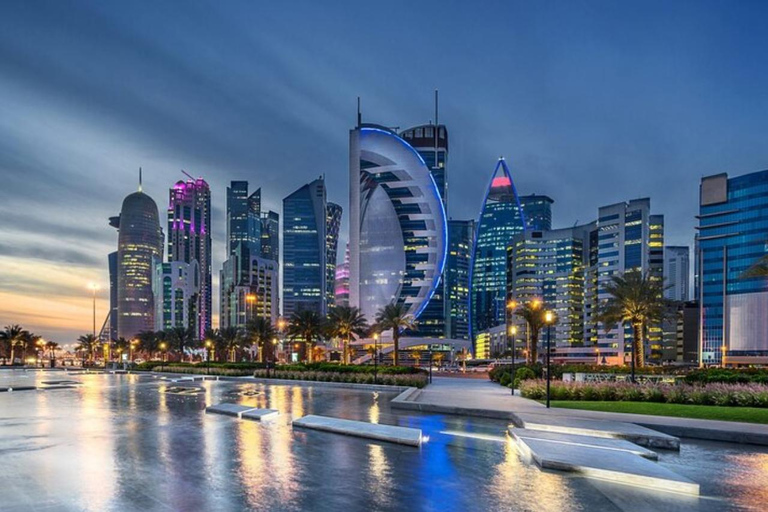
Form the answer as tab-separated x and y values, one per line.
118	442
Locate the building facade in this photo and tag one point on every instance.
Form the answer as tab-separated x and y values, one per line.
270	235
461	234
551	266
341	282
140	242
501	218
189	239
243	216
732	238
431	142
332	226
176	286
255	295
629	238
304	250
398	229
677	268
537	210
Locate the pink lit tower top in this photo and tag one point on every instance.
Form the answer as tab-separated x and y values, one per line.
189	238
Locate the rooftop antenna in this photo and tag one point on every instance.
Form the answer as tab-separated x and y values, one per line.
139	179
437	122
188	175
359	114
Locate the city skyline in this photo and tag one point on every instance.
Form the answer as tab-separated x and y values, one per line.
73	134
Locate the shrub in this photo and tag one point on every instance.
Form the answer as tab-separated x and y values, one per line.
721	394
418	379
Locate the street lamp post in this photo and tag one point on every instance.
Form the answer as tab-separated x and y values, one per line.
208	345
512	334
163	346
375	358
94	287
548	318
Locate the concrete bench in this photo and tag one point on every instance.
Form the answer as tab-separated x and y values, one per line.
400	435
242	411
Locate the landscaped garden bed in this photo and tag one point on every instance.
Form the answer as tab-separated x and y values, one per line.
327	372
717	394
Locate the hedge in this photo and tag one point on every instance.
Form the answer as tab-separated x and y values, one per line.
731	395
350	368
418	380
203	370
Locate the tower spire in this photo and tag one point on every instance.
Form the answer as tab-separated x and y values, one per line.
139	179
359	114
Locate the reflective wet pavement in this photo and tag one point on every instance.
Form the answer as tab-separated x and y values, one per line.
120	442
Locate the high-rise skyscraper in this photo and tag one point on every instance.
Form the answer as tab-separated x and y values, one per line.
629	238
176	287
537	211
304	249
341	281
243	216
270	233
732	239
676	269
112	332
189	239
461	234
550	266
398	228
249	276
140	241
431	142
501	218
332	226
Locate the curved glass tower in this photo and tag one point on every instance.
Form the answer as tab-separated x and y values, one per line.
140	241
398	226
500	220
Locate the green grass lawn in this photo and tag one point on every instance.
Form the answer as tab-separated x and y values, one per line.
704	412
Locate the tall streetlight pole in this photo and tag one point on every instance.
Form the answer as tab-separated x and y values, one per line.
548	318
208	345
94	288
512	334
375	358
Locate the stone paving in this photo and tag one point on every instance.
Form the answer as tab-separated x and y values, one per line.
400	435
484	398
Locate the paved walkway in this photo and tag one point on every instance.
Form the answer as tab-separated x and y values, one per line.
485	398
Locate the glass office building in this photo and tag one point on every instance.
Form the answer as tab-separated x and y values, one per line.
461	234
500	220
189	239
140	243
431	142
398	230
243	211
304	249
732	238
537	210
332	226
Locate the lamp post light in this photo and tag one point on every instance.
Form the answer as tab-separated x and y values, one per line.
163	347
548	318
94	288
208	346
512	334
131	348
375	358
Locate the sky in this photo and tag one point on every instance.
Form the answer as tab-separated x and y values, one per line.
591	103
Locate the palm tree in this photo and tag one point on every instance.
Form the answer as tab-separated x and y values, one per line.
12	335
149	342
307	326
120	345
394	316
230	339
51	347
87	344
533	314
344	321
759	269
181	338
416	355
261	332
638	299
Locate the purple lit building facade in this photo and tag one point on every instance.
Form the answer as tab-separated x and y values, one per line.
189	240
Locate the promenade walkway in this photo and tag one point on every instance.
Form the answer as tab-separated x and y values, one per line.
474	397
